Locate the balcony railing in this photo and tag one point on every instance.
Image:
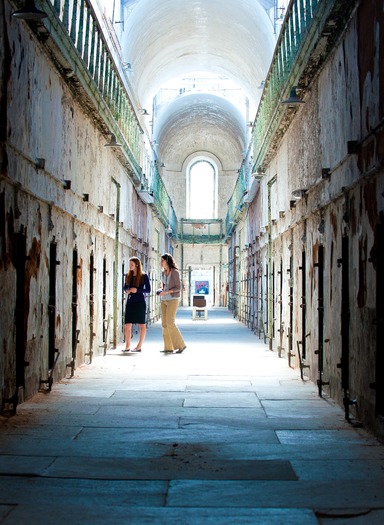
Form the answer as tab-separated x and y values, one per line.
81	45
162	202
308	35
93	64
236	202
199	231
298	20
89	59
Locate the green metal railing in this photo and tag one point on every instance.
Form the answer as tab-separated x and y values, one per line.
162	202
76	31
94	65
235	203
299	17
201	231
78	20
304	24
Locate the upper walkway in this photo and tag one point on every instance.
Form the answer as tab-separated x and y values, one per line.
224	433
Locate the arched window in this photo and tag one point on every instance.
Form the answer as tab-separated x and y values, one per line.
202	192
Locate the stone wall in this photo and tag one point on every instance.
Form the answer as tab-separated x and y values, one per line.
313	253
70	220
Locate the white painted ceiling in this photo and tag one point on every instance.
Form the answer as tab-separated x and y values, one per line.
165	40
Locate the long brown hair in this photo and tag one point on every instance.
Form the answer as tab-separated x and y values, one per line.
169	260
139	274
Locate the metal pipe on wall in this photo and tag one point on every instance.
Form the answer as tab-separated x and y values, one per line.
116	265
378	260
220	274
270	265
182	275
234	284
344	364
320	329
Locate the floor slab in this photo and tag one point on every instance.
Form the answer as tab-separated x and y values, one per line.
209	436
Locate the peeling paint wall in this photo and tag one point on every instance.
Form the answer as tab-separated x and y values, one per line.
58	195
315	252
302	264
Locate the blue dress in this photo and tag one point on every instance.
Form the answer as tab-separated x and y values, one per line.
135	307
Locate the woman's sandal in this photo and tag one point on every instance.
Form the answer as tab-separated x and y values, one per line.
181	350
136	350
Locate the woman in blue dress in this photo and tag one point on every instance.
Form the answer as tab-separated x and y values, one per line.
136	285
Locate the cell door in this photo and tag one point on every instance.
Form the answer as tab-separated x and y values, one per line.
19	258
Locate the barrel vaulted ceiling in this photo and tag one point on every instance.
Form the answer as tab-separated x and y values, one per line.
167	40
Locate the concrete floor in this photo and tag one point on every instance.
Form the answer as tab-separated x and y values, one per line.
224	433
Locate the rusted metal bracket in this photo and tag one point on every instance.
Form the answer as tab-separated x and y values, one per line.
49	380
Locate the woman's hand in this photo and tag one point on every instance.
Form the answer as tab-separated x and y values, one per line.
132	290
